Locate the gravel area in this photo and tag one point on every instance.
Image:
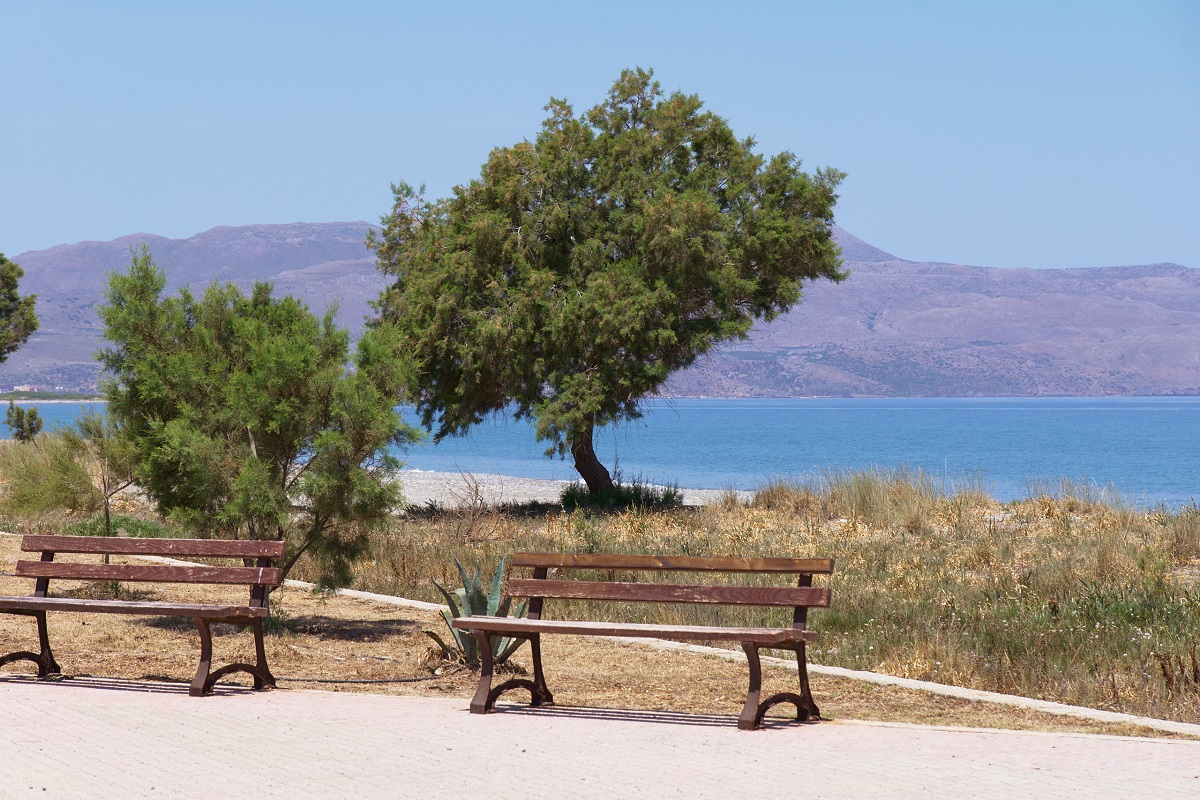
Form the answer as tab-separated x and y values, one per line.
453	489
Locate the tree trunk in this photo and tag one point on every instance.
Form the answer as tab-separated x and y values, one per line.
107	524
588	466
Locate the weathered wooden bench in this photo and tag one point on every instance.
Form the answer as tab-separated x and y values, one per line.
540	588
260	579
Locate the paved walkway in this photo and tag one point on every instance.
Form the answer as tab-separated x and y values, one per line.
89	738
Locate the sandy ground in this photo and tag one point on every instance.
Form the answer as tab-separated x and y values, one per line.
451	489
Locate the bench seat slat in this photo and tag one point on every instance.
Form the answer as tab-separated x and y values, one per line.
807	566
138	607
120	545
262	576
515	625
670	593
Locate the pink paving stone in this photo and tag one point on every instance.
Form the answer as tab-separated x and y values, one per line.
93	738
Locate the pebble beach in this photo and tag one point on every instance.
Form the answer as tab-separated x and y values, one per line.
457	489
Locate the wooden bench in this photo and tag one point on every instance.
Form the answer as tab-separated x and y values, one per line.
540	588
260	579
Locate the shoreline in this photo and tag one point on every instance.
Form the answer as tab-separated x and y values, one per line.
461	489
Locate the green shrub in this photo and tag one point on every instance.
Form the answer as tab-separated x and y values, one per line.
123	525
637	494
470	600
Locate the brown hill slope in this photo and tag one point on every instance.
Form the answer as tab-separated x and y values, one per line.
894	328
323	263
898	328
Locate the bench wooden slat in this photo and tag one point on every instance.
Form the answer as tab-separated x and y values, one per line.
261	576
808	566
514	625
120	545
670	593
138	607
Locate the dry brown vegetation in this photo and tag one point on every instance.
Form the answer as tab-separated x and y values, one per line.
1061	597
1068	596
338	643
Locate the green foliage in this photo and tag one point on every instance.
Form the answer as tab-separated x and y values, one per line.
34	397
580	270
103	446
122	525
80	467
17	317
25	424
45	477
636	494
470	600
246	421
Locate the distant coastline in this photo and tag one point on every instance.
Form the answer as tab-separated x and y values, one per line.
51	397
1010	448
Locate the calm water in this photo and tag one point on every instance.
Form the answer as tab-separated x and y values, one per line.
1146	449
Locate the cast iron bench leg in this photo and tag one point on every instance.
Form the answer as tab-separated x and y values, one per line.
485	696
205	678
754	710
482	702
541	692
200	682
263	679
807	704
750	717
46	664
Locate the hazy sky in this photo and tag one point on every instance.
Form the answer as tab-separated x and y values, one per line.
1007	134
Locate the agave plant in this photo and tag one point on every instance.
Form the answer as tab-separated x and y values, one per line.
470	600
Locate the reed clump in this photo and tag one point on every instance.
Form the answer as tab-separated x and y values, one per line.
1064	596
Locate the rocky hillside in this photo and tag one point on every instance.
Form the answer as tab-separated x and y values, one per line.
893	328
323	263
898	328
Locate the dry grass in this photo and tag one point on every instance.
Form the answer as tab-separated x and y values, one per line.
1067	596
339	643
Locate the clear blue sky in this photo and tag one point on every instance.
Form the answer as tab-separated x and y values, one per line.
1007	134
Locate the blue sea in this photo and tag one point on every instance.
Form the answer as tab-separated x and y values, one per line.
1145	450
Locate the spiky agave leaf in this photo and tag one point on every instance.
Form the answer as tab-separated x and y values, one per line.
464	640
474	600
450	599
447	650
494	593
506	647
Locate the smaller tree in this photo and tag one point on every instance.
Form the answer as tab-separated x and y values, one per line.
81	467
108	454
245	419
46	476
25	424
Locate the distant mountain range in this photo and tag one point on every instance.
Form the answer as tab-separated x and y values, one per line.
893	328
322	263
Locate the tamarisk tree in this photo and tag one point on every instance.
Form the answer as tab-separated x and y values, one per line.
581	269
17	317
246	418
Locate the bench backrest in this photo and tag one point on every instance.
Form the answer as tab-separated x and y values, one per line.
260	577
800	597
